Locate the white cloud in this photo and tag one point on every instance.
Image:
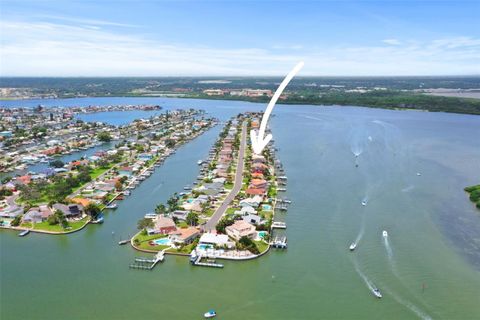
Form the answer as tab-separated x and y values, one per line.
393	42
98	49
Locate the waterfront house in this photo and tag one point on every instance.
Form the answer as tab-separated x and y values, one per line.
218	240
252	202
69	211
37	214
253	219
185	235
164	225
241	229
258	183
255	191
179	215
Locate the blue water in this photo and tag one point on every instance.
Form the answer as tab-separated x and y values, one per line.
434	230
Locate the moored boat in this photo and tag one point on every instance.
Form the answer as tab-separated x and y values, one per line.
24	233
112	206
122	242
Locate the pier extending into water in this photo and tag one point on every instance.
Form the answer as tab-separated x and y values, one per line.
148	264
279	225
208	263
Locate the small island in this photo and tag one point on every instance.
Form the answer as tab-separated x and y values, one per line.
474	192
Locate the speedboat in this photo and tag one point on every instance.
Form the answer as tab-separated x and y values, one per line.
210	314
364	202
419	174
376	293
199	162
385	234
353	246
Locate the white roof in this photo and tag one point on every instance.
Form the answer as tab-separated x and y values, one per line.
218	239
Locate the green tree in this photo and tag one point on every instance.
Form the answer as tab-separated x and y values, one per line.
192	218
160	209
144	223
104	136
93	210
56	163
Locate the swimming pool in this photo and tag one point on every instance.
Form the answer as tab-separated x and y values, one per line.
266	207
261	234
205	246
162	241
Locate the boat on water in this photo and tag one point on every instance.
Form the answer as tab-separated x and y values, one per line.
210	314
200	162
353	246
364	202
385	234
187	188
112	206
24	233
419	174
151	216
99	220
376	292
122	242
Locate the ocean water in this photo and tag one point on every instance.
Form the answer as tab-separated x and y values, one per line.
428	267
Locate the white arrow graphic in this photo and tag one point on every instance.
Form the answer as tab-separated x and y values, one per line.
258	140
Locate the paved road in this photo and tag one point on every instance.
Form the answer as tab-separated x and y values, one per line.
212	223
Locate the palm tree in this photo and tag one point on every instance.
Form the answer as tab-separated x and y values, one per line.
160	209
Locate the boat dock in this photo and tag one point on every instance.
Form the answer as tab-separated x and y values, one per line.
148	264
279	242
208	263
279	225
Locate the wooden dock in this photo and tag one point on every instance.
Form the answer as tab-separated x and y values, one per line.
208	263
279	242
148	264
279	225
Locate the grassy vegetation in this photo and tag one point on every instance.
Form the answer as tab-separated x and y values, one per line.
185	249
474	192
72	226
261	245
144	239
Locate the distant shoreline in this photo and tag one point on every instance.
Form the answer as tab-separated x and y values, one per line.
427	101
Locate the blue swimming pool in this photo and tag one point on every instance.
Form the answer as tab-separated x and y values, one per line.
266	207
262	234
205	246
162	241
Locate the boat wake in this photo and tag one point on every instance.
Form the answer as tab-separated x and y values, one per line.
409	188
421	314
365	279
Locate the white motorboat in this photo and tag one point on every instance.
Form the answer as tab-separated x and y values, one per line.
419	174
364	202
376	293
353	246
385	234
199	162
210	314
112	206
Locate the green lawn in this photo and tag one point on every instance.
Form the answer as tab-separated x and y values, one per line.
230	210
186	249
99	171
144	239
75	225
262	246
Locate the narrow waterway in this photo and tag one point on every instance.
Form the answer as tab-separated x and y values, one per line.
428	268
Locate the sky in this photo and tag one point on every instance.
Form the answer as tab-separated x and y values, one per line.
238	38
